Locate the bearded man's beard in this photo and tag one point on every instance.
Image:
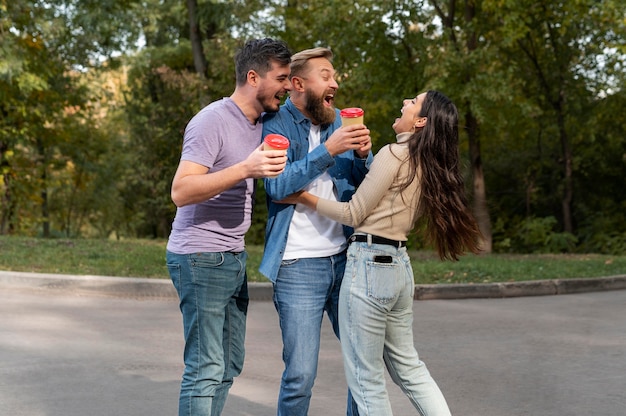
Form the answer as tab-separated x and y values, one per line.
315	107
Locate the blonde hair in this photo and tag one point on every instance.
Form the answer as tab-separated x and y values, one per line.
300	60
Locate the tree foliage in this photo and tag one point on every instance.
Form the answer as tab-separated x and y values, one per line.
95	95
49	135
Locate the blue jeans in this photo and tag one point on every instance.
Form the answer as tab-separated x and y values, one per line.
213	293
376	323
304	289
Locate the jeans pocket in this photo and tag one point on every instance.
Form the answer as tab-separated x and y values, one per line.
207	259
290	262
383	281
174	271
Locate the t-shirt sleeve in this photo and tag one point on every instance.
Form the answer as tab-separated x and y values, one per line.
203	138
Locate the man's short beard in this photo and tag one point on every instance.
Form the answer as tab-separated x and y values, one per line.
315	107
267	102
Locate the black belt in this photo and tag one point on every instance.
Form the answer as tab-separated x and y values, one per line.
363	238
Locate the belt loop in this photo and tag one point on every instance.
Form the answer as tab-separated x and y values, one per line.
369	240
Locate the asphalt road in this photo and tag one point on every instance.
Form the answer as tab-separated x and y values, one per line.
73	354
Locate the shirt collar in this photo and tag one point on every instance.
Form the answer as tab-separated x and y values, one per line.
297	114
403	137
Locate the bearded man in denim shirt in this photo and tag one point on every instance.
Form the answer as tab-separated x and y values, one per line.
304	254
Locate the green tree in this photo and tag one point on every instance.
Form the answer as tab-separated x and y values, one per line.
46	46
91	127
187	63
378	47
466	65
554	49
600	173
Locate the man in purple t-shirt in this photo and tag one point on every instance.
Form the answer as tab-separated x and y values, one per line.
212	189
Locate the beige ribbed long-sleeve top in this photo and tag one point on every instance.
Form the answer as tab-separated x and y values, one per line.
377	207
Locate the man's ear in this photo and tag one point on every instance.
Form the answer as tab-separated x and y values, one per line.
253	77
297	83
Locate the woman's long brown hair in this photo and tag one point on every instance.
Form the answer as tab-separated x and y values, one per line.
434	159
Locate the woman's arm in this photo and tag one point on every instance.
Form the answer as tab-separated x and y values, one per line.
368	195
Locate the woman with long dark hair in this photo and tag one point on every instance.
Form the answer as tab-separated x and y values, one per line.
415	180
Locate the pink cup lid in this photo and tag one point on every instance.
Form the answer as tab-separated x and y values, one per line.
276	141
351	112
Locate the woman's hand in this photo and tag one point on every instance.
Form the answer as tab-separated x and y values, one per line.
291	199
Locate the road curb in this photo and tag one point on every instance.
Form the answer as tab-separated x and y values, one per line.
517	289
129	287
140	287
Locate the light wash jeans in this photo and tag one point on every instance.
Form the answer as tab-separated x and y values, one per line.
375	320
213	293
304	289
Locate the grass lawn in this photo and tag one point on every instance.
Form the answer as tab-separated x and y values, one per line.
146	258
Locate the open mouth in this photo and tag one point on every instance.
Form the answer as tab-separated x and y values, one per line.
280	96
329	100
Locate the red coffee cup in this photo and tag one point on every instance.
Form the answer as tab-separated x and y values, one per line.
350	116
275	142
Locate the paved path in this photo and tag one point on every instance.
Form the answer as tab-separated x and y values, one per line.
67	353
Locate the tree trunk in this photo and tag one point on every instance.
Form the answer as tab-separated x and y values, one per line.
480	208
8	209
45	212
195	36
5	212
566	201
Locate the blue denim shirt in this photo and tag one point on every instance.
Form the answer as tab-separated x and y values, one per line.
346	171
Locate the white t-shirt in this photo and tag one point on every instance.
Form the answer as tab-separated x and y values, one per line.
311	234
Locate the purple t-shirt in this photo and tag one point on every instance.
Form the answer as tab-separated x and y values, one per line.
217	137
